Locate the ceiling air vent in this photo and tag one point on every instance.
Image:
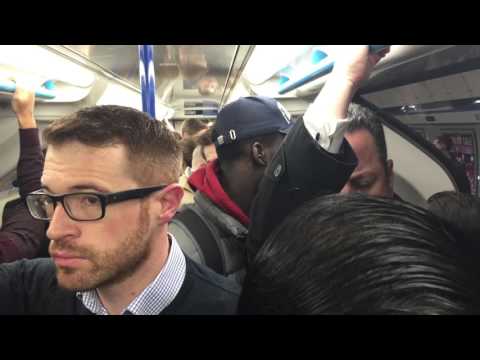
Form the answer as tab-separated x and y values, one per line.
200	104
204	112
192	104
200	108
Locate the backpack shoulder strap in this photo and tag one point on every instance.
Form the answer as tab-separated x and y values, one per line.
204	237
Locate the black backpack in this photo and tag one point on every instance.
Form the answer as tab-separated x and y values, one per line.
204	236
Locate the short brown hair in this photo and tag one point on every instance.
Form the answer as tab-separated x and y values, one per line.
188	145
192	127
205	138
445	140
362	118
153	150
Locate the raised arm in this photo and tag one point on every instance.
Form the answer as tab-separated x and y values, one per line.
30	163
314	158
21	236
326	118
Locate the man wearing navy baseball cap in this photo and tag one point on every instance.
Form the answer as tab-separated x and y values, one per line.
246	134
313	159
250	117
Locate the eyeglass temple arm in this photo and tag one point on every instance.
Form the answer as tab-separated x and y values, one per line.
131	194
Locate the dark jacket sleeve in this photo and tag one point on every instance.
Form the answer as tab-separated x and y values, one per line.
21	236
299	171
20	282
30	163
29	287
461	176
11	283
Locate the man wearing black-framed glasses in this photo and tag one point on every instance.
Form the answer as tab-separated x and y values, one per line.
81	206
109	189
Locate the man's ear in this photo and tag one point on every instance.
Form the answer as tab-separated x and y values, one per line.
258	154
166	202
390	175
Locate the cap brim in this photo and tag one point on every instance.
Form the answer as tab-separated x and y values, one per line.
286	130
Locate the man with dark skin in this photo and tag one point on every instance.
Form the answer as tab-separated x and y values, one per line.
252	165
246	135
370	176
374	172
273	173
315	158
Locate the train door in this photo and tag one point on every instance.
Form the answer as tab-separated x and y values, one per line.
438	98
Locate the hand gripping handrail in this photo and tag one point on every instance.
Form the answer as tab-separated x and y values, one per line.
324	69
43	92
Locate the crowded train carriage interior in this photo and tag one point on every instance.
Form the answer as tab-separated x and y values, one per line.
425	91
269	135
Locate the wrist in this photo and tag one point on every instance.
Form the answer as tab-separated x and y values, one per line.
345	82
26	121
335	97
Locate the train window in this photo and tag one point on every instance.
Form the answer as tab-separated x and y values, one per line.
438	96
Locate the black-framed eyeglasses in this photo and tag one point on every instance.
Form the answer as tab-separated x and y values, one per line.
81	206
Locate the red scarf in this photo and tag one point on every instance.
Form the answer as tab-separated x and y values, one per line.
206	181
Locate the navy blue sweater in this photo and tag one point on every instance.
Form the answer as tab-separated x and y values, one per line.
29	287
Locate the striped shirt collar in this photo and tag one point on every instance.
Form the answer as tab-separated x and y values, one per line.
156	296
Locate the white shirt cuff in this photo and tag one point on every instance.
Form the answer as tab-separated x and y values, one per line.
328	133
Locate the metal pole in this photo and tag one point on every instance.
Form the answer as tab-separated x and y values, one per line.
147	78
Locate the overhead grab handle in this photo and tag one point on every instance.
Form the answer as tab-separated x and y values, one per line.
324	68
43	92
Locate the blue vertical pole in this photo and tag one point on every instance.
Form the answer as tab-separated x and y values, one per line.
147	78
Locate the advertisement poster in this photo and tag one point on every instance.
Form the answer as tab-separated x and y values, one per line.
463	151
420	132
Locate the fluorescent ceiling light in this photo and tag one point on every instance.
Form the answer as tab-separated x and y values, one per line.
36	62
266	60
116	94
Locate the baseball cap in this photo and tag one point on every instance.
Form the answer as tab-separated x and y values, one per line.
249	117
